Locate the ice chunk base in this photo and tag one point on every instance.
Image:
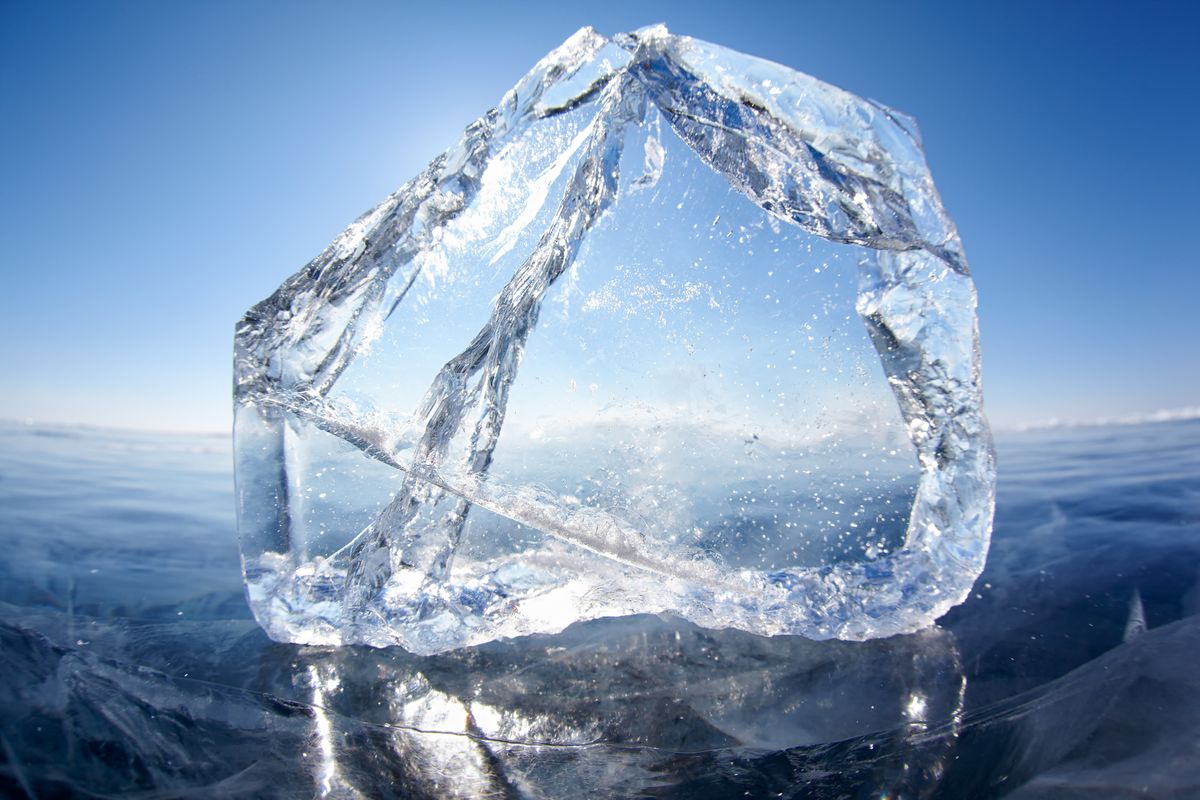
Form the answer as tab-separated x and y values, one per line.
671	329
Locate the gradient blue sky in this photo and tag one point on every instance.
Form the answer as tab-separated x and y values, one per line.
163	166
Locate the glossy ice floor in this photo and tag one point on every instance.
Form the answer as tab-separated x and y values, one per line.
132	667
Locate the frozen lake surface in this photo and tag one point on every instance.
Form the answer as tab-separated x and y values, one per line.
132	667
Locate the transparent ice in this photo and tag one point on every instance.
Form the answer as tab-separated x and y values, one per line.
672	329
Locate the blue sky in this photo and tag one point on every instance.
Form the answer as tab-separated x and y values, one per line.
163	166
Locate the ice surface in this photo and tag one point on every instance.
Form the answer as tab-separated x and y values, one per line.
132	668
672	329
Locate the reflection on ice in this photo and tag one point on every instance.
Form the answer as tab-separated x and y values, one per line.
639	692
328	777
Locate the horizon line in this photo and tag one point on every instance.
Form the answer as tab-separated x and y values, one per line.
1180	414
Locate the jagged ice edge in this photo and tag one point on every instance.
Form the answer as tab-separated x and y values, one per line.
797	166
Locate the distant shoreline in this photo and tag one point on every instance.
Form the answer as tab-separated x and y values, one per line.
82	427
1184	414
1142	418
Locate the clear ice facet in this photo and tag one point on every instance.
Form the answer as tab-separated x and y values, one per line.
671	330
